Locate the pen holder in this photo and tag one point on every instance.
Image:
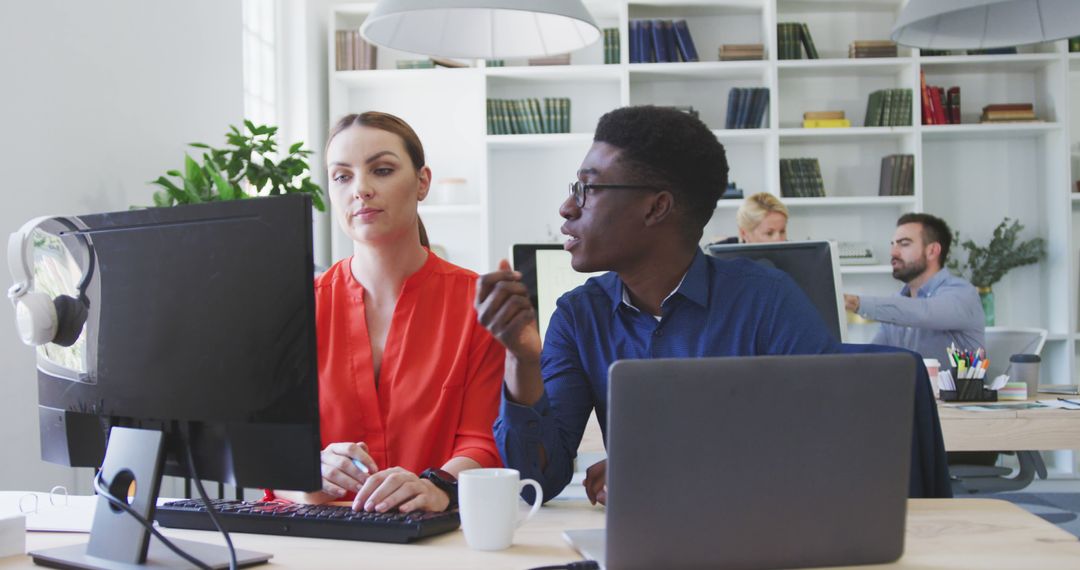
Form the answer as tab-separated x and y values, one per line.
969	390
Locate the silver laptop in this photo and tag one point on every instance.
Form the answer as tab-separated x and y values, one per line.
756	462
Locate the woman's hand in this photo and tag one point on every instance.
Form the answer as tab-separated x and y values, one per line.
340	474
396	487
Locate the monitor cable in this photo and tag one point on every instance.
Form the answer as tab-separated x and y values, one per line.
210	509
103	490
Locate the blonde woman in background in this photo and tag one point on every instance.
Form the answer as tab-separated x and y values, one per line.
762	218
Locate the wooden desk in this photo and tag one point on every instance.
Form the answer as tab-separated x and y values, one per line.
1009	429
942	533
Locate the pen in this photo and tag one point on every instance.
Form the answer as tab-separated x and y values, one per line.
361	466
1068	401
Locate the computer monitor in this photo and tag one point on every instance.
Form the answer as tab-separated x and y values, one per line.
200	327
547	274
813	265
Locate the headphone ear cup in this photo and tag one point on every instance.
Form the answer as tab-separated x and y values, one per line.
70	316
35	316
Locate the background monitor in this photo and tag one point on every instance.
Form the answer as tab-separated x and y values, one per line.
546	272
201	327
813	265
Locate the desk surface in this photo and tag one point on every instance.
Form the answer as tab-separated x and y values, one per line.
943	533
1041	429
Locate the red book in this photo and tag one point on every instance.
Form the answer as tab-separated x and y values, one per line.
954	105
939	107
927	111
1009	107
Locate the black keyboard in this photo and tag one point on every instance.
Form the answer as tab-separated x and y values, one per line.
314	521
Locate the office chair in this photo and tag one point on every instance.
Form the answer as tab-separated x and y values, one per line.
977	472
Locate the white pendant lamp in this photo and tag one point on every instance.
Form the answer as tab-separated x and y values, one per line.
481	28
981	24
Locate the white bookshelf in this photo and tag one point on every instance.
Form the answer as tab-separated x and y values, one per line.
971	174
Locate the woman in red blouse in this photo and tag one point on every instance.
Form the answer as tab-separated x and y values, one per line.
408	379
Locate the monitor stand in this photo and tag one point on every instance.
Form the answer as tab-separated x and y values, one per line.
118	541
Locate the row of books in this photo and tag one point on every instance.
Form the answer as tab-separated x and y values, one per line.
1008	113
746	107
984	51
661	41
871	48
825	120
741	52
1074	44
801	178
939	106
527	116
888	108
897	175
352	52
612	49
792	38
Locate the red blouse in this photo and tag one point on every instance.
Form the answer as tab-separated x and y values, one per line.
439	386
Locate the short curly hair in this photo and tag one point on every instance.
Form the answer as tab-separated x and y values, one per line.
674	150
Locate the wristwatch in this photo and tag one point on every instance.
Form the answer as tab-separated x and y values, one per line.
445	482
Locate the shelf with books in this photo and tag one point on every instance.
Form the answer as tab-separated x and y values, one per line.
709	24
856	133
834	25
850	94
987	131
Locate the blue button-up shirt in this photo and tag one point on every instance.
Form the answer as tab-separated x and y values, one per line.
721	308
946	310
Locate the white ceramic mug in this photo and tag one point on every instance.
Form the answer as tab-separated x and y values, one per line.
488	501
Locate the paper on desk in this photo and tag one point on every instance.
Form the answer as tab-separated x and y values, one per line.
1064	404
999	407
50	511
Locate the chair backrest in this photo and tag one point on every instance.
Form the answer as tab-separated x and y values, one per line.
1003	342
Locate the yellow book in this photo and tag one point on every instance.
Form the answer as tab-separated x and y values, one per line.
826	123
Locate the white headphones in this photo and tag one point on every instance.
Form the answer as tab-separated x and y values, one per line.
42	319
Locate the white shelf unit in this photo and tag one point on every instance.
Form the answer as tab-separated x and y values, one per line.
971	174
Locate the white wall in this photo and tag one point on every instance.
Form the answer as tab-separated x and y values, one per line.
96	98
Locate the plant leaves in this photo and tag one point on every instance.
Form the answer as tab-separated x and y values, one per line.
296	147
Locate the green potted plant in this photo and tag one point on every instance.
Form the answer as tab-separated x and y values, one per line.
247	167
985	266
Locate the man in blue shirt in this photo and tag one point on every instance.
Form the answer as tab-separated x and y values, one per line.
644	193
934	308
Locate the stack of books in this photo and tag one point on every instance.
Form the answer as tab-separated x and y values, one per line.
527	116
732	192
661	41
561	59
888	108
494	63
1008	113
801	178
611	46
825	120
939	106
792	38
352	52
871	48
746	107
934	52
740	52
897	175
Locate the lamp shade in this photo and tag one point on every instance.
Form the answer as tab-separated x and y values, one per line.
979	24
481	28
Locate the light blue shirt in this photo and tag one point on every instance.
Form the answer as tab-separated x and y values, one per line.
945	310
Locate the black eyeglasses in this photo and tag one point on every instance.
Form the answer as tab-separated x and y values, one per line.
578	188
